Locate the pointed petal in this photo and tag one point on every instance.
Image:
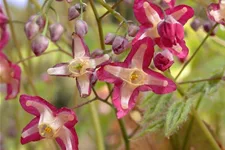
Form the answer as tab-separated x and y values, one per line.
148	14
59	70
216	12
35	105
80	49
12	89
141	53
158	83
67	139
124	98
182	13
67	116
31	132
84	84
180	50
104	75
4	37
99	60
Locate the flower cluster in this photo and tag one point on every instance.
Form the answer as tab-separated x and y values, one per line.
141	71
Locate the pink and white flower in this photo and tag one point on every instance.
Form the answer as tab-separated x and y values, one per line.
163	60
133	75
9	76
216	12
81	67
151	16
4	35
49	123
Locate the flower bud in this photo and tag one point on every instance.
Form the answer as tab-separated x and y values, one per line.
133	30
195	24
73	13
97	53
39	44
56	30
81	28
119	44
207	26
170	31
163	60
109	38
31	29
39	20
78	7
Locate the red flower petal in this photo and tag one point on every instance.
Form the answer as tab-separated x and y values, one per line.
31	132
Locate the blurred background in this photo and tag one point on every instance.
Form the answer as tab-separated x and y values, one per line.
63	92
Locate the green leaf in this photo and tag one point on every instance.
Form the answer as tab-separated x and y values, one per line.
156	108
176	116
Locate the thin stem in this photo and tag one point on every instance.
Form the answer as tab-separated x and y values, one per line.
100	29
112	11
34	56
202	80
85	103
16	21
81	8
97	127
124	133
186	137
114	6
196	51
46	27
18	47
56	14
134	132
206	131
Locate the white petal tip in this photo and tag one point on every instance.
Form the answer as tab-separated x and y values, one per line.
28	103
165	83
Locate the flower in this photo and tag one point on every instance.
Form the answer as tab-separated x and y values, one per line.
49	122
80	67
4	35
163	60
133	75
216	12
9	76
151	15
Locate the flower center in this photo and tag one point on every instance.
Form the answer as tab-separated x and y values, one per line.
78	66
46	131
136	77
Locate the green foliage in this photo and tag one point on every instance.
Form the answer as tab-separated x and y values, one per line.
176	116
162	113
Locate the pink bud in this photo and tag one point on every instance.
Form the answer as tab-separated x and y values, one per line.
31	29
133	30
109	38
39	20
195	24
56	30
97	53
207	26
119	44
81	28
163	60
39	44
73	13
79	5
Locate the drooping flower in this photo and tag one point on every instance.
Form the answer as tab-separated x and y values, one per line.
56	30
81	28
49	123
151	15
39	44
163	60
9	76
133	75
4	35
216	12
80	67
